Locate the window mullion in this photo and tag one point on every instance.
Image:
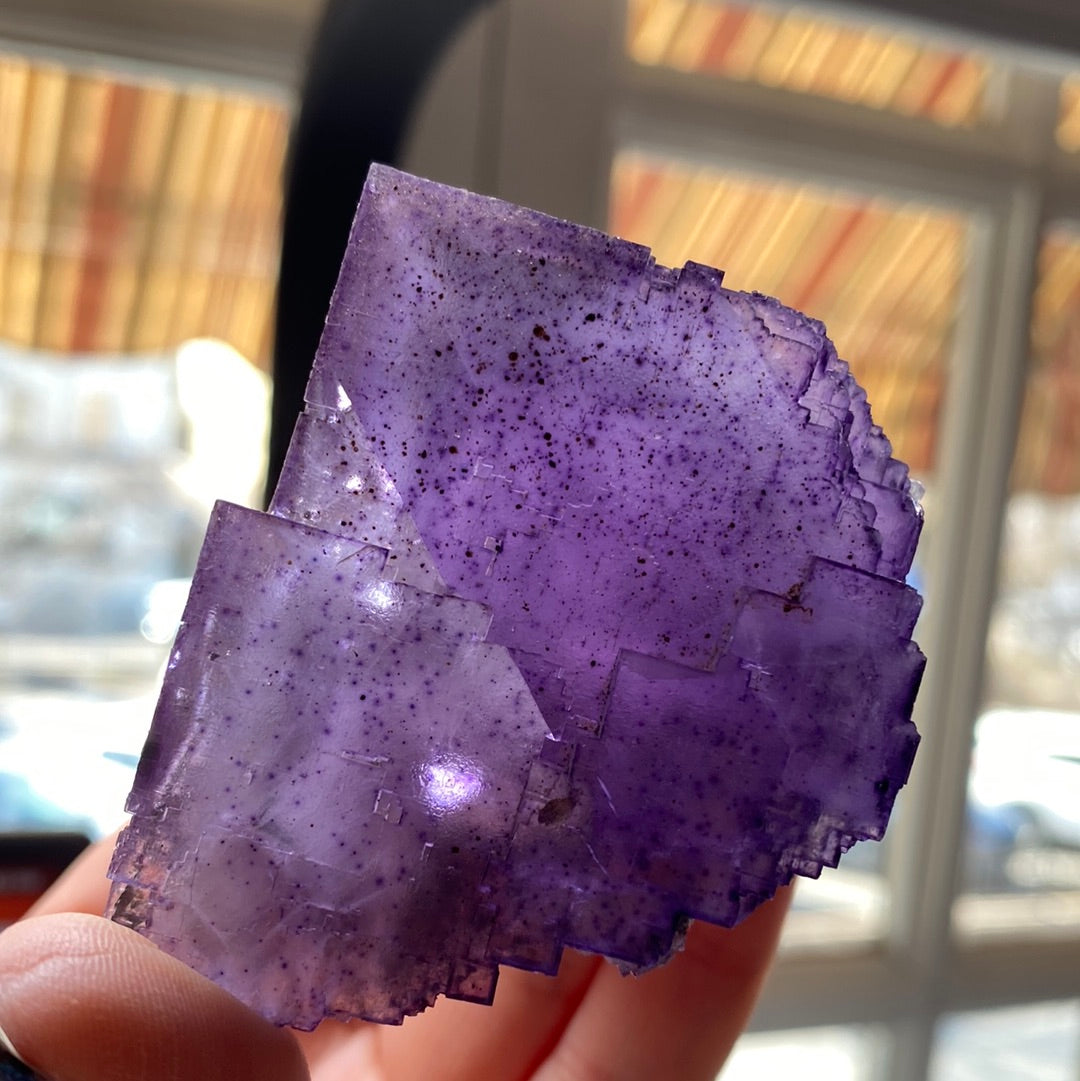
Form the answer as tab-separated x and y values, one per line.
259	46
980	435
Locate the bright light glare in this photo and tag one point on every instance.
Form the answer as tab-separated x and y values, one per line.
382	596
450	783
226	401
164	607
75	756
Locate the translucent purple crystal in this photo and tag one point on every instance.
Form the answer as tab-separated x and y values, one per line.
579	613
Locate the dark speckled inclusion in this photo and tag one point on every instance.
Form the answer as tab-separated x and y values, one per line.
579	613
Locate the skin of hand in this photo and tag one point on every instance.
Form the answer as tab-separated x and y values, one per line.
84	999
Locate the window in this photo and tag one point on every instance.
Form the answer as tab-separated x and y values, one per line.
919	194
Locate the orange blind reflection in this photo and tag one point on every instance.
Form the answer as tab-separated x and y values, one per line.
804	53
134	216
884	277
1048	447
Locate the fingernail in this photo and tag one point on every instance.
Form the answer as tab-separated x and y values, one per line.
12	1068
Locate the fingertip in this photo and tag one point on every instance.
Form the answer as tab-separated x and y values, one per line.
680	1019
744	952
83	999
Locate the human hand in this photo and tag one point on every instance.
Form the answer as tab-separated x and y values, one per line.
84	999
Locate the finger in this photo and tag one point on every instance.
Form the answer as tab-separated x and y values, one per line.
456	1041
678	1021
83	887
83	999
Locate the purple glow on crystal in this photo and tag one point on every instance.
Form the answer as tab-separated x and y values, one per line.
579	613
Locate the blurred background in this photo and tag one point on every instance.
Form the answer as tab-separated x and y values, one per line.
907	172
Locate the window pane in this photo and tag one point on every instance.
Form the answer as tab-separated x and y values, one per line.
852	1053
1022	860
133	217
102	510
809	54
885	278
1025	1043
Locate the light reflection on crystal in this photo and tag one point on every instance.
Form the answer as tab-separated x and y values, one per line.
449	783
380	596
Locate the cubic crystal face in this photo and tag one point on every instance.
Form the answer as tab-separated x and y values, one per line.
579	613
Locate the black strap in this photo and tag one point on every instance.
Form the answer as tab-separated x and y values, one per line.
368	64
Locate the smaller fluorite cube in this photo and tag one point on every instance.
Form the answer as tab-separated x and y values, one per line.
337	760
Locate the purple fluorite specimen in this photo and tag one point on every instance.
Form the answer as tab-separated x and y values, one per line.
579	613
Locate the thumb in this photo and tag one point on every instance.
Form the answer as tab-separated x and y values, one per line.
83	999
